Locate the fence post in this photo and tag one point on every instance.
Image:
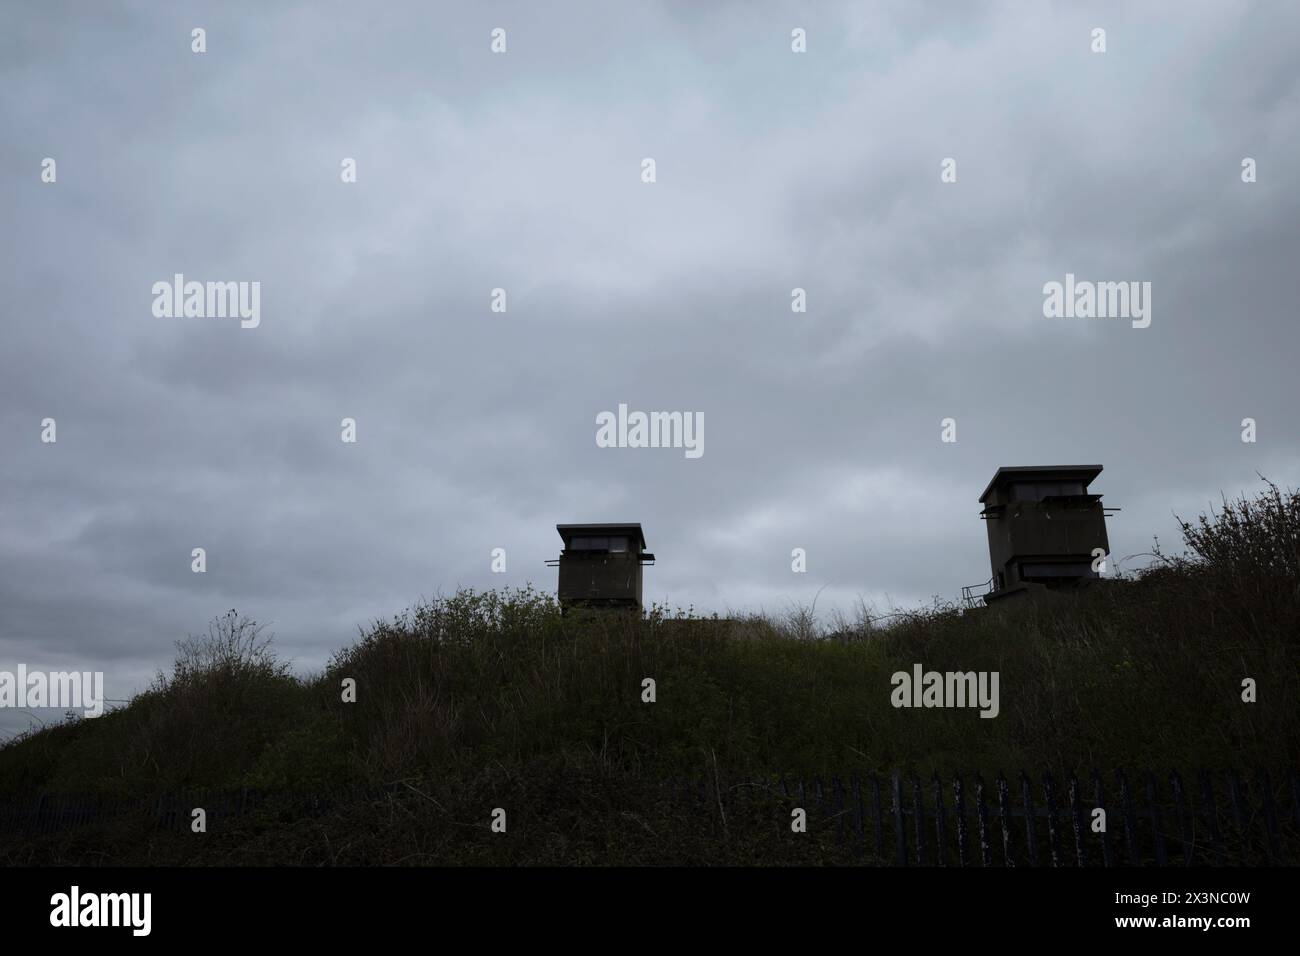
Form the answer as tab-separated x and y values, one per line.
1180	811
959	808
940	823
1031	819
1053	831
982	820
1130	818
1212	816
918	811
1004	814
1153	811
837	786
1295	797
900	832
1273	846
857	816
1076	822
880	823
1238	815
1099	800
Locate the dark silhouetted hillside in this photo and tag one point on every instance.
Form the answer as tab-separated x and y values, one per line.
486	700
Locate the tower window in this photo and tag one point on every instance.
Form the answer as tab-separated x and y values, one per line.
1038	490
617	544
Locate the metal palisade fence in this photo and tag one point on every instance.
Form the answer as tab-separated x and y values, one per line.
901	820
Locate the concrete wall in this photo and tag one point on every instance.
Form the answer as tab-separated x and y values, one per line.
1030	531
599	575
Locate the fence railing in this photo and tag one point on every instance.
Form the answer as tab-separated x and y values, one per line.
1219	818
972	595
902	820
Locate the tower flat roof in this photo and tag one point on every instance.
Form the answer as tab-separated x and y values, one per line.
568	531
1005	474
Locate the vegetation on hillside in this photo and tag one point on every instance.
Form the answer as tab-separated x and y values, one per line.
484	700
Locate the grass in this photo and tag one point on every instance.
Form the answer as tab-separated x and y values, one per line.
484	700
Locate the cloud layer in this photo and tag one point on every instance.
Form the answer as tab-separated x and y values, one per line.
522	171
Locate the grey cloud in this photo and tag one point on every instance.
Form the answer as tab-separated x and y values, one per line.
476	430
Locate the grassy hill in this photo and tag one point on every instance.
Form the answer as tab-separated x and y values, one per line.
487	700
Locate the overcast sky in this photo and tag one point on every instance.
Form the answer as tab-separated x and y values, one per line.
523	171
